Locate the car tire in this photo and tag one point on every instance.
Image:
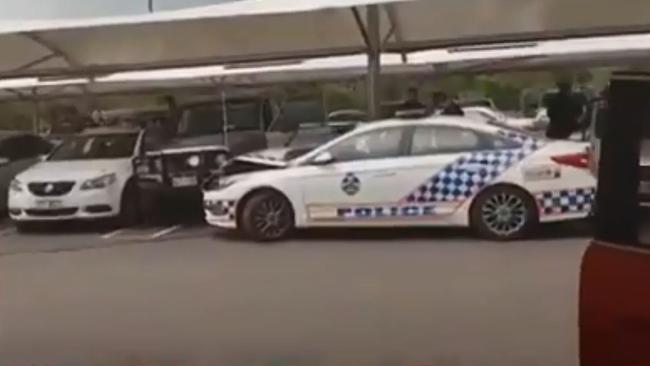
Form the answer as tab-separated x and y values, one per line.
129	206
266	216
504	213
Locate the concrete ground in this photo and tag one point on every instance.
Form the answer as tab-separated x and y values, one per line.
188	295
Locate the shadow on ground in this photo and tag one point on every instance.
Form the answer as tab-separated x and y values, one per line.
572	229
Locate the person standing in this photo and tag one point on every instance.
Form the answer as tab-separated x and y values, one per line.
564	112
453	108
438	100
412	101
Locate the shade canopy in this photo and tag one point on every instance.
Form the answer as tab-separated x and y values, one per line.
263	30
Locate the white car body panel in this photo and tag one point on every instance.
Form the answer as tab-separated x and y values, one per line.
390	190
77	171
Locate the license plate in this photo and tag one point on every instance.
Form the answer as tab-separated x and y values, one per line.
49	204
184	181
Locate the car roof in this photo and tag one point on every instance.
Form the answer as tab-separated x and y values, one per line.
451	121
110	131
10	133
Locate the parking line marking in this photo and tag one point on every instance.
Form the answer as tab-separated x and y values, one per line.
112	234
166	231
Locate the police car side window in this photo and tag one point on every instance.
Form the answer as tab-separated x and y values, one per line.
440	140
378	144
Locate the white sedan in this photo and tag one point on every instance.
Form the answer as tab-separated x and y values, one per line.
439	171
88	176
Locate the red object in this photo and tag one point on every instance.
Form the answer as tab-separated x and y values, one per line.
615	306
577	160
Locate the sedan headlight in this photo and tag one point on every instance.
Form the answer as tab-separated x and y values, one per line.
99	182
16	186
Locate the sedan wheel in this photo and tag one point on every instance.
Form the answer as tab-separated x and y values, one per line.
503	213
267	216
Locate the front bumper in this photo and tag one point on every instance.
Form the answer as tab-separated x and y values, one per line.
92	204
221	212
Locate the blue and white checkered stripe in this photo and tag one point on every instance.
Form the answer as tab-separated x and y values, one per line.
223	208
469	174
566	201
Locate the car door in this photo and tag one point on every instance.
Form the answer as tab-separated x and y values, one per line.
439	176
364	174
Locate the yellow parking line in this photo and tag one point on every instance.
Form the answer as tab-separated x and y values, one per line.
166	231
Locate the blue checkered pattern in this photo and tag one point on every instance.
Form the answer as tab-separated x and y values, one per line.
516	136
566	201
221	208
470	173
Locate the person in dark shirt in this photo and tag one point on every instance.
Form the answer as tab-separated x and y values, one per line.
452	108
438	101
412	101
564	111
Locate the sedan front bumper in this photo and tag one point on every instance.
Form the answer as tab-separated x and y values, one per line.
92	204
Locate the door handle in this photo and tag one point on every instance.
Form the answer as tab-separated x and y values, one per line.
385	175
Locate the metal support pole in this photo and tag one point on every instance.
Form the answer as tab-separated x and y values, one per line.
36	117
374	61
224	115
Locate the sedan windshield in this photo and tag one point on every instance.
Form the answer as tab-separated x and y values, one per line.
87	147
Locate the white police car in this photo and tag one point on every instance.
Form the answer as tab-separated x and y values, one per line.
437	171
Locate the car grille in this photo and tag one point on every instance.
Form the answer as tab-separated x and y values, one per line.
178	163
52	212
50	189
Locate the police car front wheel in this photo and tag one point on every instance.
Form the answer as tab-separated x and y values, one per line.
504	213
267	216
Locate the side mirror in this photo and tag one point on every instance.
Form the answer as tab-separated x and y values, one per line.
323	158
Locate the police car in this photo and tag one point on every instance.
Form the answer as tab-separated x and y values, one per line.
437	171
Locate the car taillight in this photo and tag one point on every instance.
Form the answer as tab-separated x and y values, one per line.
577	160
592	162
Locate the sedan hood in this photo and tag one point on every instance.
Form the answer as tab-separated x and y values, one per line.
73	170
271	157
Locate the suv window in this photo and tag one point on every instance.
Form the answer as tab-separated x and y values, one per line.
208	119
378	144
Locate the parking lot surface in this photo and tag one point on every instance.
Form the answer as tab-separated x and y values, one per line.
185	294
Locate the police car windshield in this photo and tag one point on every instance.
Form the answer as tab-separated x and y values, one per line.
89	147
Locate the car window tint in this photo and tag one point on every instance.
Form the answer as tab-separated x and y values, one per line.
440	140
384	143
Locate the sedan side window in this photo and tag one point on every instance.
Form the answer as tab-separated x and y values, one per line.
378	144
440	140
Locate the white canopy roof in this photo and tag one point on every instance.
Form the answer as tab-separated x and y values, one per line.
261	30
593	51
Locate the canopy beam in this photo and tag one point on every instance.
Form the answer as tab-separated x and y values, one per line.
36	62
360	25
374	61
396	31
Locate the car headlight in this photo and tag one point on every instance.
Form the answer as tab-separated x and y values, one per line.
99	182
16	186
194	161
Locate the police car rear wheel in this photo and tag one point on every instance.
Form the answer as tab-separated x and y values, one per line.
503	213
267	216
